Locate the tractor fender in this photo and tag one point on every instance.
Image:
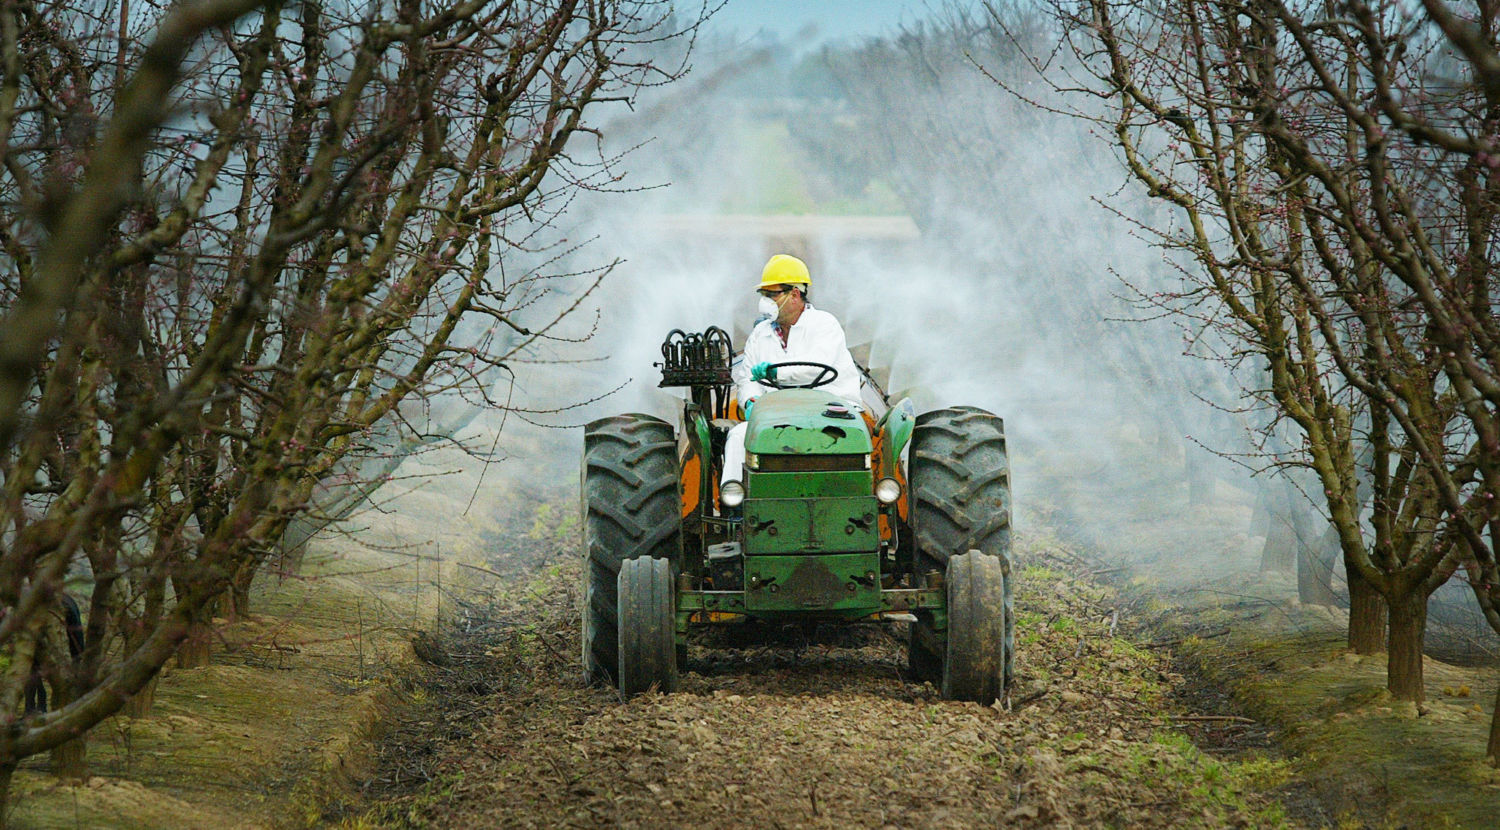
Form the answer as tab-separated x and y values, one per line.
696	457
894	430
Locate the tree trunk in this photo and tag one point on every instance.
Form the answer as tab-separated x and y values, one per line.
1315	558
1280	551
294	541
196	649
139	705
1493	750
239	592
6	771
1200	479
1260	516
70	760
1404	656
1366	614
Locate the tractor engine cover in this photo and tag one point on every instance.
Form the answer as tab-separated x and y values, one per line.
805	422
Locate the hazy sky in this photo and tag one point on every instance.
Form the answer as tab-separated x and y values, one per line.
832	18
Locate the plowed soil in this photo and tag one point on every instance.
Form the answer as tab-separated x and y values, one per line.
776	728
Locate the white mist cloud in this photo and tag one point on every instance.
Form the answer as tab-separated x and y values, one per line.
1001	302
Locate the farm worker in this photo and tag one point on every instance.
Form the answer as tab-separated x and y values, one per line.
793	331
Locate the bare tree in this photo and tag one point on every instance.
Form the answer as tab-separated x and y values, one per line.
1462	121
232	260
1318	234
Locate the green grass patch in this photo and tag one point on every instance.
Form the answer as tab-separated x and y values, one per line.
1386	763
1039	573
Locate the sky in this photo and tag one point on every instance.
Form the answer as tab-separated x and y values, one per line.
832	19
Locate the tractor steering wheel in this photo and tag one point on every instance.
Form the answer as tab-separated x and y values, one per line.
826	375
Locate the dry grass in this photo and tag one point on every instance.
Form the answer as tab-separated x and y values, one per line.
281	723
241	742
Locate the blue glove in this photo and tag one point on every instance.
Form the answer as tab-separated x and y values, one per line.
745	407
762	371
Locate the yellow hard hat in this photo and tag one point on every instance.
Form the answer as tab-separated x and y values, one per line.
784	270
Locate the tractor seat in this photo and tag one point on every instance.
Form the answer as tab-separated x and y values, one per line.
720	427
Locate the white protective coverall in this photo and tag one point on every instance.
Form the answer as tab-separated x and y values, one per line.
816	337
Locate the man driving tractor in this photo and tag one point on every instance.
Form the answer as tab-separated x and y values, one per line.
794	332
821	516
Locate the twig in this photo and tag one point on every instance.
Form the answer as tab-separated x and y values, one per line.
1211	718
1165	643
1028	699
1251	600
482	570
1197	718
543	640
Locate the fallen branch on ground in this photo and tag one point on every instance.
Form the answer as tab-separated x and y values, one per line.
1180	640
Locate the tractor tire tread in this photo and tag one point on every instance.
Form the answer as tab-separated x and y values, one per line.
631	510
975	666
647	630
960	484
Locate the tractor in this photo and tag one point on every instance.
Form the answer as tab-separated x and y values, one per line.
842	513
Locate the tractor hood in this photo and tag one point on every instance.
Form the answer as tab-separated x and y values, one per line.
805	422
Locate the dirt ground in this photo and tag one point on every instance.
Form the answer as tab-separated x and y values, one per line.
1162	681
778	729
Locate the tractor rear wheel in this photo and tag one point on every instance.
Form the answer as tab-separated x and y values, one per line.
974	666
648	630
630	510
960	496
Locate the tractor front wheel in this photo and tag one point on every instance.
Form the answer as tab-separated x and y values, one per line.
974	664
648	631
630	511
960	490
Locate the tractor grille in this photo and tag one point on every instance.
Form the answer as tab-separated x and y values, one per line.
813	463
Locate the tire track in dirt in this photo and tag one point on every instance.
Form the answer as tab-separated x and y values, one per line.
822	731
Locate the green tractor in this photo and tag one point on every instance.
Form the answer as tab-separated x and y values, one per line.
840	515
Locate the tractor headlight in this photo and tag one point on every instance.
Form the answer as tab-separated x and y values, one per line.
752	461
887	490
732	494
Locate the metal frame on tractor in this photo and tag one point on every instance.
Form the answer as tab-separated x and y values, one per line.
840	515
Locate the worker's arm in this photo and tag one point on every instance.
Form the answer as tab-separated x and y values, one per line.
833	349
745	388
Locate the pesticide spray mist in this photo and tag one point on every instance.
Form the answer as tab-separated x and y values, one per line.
986	251
955	230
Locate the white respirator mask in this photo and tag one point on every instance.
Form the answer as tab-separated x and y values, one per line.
768	308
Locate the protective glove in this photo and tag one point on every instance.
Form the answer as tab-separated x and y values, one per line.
762	371
745	407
